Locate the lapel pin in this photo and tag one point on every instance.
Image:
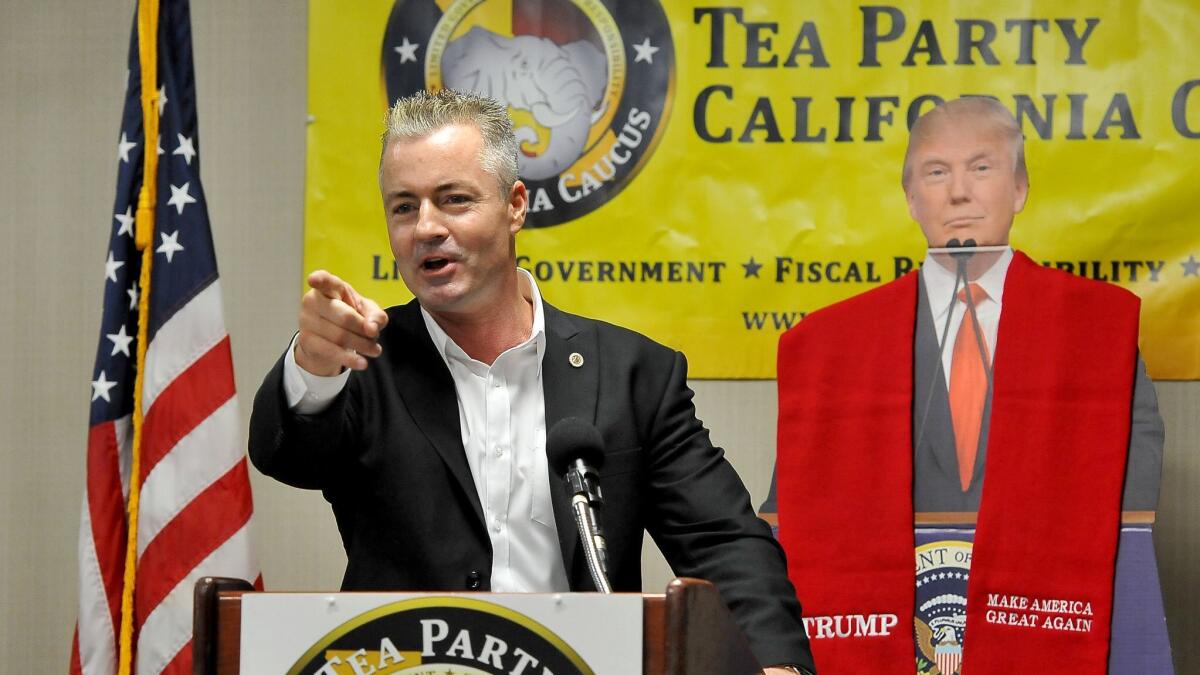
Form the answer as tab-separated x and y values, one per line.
576	359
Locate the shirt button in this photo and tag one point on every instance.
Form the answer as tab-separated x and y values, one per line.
496	384
496	525
474	580
499	450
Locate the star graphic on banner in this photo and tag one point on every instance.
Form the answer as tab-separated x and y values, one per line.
180	197
101	387
159	143
162	99
123	148
1191	267
186	148
645	51
111	266
170	244
120	342
126	220
133	296
752	268
407	50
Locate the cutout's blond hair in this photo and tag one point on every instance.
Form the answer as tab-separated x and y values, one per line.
977	109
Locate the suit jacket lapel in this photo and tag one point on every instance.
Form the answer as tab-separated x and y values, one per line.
570	391
428	391
932	403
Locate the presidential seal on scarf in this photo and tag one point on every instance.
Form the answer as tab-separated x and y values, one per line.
943	568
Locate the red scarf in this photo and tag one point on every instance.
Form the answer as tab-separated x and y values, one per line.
1045	542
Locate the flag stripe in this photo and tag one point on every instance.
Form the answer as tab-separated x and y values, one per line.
182	663
103	519
124	431
213	516
96	631
168	627
192	331
75	668
191	397
208	452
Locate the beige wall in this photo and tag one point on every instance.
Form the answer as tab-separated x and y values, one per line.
61	66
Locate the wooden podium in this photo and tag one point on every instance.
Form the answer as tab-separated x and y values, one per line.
685	631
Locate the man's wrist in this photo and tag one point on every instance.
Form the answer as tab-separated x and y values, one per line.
306	393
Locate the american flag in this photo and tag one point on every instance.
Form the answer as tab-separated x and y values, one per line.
195	506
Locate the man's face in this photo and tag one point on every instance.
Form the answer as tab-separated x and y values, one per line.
450	227
963	184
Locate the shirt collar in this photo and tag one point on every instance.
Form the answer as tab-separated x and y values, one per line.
939	281
448	349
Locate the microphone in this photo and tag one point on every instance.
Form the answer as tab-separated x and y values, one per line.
961	258
961	280
575	451
979	344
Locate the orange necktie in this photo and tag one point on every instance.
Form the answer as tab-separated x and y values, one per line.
968	388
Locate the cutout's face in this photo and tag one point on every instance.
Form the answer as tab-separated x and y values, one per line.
963	184
451	229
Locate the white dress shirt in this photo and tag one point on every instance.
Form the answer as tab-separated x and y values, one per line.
502	417
939	284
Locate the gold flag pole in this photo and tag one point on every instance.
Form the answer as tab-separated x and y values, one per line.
143	238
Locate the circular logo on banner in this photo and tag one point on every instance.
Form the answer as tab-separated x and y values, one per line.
442	635
943	569
588	84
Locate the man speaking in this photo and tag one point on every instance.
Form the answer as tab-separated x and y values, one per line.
425	425
984	382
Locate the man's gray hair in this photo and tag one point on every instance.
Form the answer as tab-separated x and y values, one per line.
425	112
978	108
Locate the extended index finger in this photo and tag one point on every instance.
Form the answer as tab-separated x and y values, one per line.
332	287
346	307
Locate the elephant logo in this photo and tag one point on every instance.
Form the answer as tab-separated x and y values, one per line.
561	87
588	84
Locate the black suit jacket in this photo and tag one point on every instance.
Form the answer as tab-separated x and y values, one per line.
389	458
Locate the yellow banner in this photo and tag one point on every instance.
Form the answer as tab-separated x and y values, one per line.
709	172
